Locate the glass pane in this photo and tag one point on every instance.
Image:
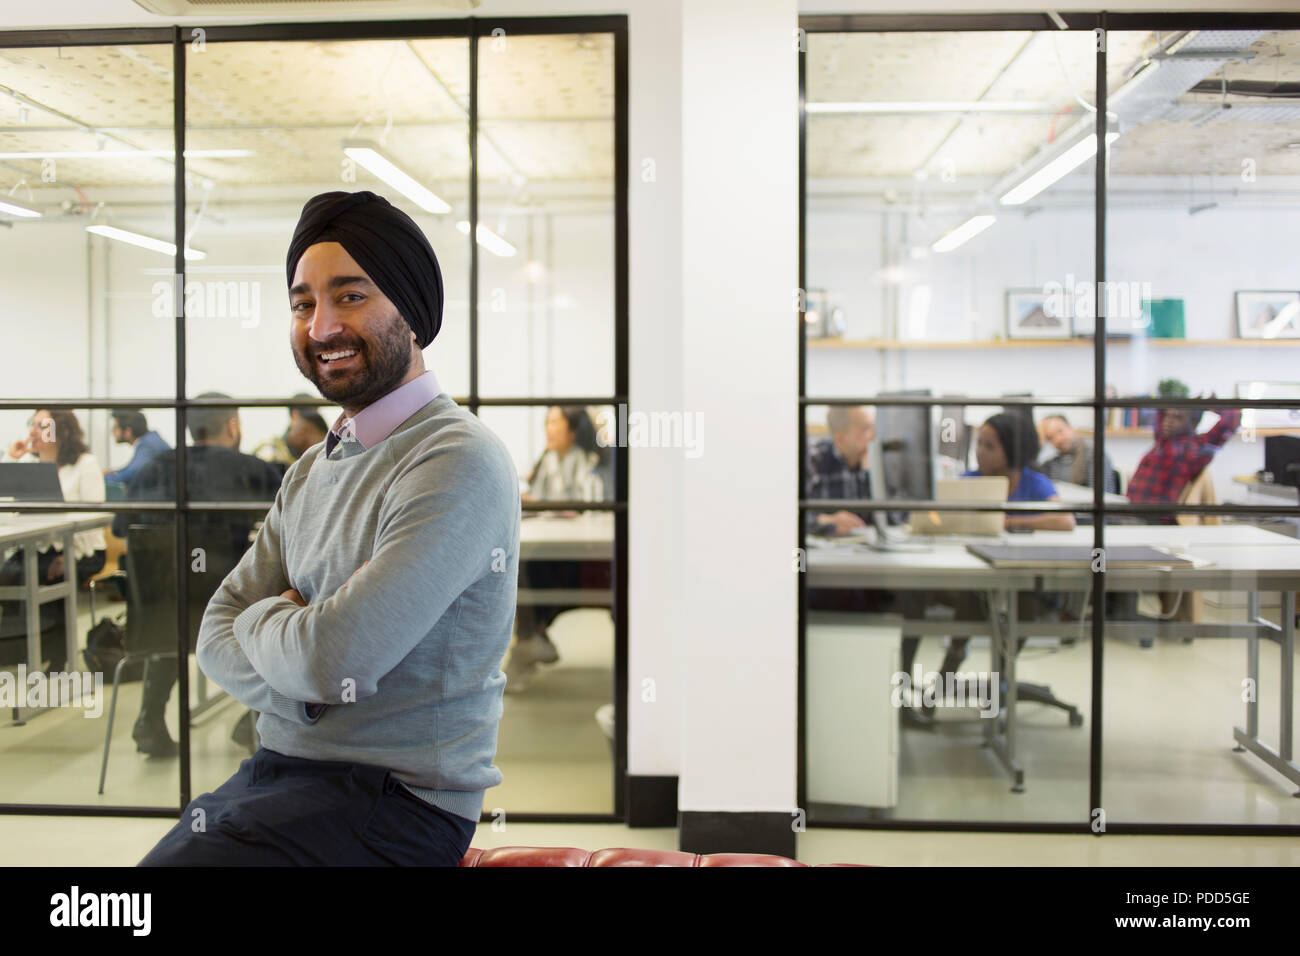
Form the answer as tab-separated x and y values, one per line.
910	673
1201	640
546	215
54	745
411	114
556	738
1204	152
87	150
950	213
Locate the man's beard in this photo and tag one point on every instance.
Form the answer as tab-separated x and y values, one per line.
383	367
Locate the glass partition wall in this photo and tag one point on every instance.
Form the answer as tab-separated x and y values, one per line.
114	335
1050	439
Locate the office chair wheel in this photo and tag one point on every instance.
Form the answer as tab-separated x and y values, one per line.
1076	719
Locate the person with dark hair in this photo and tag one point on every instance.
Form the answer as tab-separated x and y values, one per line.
306	428
368	621
1073	460
215	471
572	468
1005	446
130	427
1179	455
57	437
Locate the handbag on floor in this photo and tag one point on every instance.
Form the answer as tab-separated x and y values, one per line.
105	646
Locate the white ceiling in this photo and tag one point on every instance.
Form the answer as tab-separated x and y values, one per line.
1052	69
546	113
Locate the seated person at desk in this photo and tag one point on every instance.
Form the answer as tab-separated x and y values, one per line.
1005	446
1178	456
130	427
56	437
306	428
572	468
1073	461
837	468
215	471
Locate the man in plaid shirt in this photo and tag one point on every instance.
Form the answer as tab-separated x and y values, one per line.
837	467
1178	456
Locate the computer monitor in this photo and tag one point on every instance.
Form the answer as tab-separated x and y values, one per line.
1280	451
30	481
954	434
904	462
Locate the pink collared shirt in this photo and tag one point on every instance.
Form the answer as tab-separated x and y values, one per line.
376	422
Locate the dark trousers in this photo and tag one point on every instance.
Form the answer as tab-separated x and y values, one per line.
968	606
534	618
286	811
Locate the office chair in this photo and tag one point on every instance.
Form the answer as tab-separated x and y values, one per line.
150	580
1026	691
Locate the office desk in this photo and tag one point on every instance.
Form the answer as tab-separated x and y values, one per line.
1272	490
548	537
32	533
1229	557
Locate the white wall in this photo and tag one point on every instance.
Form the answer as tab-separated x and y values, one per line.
1171	253
740	267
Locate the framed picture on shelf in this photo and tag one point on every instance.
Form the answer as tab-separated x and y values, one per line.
1032	314
1268	315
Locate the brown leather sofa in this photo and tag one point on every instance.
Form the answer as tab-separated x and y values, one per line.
618	856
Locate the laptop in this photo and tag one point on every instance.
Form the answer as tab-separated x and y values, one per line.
30	481
975	489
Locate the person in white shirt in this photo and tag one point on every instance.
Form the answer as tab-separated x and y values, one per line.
57	437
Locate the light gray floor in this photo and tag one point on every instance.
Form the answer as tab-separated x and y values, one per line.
1168	754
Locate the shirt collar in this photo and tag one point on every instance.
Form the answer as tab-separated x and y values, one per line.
376	421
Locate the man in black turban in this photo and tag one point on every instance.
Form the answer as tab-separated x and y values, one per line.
365	292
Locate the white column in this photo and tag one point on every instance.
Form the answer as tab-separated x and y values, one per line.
739	366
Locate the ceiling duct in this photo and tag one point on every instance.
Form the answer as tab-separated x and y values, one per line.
244	8
1153	94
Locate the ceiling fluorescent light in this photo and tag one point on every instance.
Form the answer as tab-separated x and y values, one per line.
1059	168
488	239
11	208
132	154
938	106
968	229
144	242
369	156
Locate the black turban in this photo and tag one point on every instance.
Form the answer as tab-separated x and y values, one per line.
386	243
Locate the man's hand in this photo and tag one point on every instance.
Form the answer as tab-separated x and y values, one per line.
843	521
296	598
19	448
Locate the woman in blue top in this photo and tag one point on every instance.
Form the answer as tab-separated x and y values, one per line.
1005	446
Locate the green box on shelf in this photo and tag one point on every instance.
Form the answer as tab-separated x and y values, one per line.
1164	318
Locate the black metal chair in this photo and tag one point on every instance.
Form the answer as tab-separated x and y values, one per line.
150	582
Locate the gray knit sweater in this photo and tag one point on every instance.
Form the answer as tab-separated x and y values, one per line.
407	654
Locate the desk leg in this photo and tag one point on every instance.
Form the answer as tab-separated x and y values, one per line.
1287	703
33	608
1248	739
1252	665
1003	643
70	601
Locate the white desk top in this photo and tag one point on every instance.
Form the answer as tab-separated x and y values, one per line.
587	537
1227	550
17	528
